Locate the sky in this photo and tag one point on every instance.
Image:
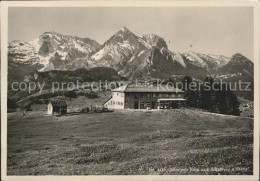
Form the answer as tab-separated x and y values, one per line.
210	30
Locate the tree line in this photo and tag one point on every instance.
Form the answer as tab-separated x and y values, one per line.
211	96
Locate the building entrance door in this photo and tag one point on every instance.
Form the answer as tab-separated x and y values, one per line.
174	104
153	105
136	105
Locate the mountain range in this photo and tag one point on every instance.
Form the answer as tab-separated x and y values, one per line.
131	56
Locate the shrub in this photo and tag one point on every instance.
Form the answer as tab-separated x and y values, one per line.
70	94
91	95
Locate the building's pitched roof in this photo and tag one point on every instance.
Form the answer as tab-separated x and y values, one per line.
146	88
58	103
107	100
120	89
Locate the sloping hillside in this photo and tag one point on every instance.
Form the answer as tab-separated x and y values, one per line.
50	78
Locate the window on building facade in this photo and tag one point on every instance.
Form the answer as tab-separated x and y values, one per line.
142	105
148	104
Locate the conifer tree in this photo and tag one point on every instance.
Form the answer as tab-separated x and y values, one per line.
233	103
206	94
191	94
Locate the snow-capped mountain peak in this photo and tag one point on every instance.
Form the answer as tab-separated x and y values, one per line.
124	29
44	51
129	54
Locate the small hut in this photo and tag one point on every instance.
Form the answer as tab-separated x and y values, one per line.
57	108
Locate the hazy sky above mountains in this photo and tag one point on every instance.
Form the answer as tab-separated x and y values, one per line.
212	30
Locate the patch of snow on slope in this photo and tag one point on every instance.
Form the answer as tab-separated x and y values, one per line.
222	60
144	43
77	46
36	44
49	34
44	60
195	59
132	58
125	44
216	60
62	54
99	54
177	57
58	37
141	52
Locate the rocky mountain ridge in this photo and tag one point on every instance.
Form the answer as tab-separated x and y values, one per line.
130	55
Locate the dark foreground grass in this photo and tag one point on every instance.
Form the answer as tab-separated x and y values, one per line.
127	142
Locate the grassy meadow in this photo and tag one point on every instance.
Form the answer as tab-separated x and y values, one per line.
129	142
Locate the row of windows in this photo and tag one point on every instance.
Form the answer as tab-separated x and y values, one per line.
115	103
154	95
118	94
144	105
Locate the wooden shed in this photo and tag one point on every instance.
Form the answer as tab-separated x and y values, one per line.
57	108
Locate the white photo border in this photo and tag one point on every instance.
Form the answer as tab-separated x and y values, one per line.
131	3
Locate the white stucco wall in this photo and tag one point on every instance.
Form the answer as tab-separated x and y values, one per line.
117	101
49	111
109	104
